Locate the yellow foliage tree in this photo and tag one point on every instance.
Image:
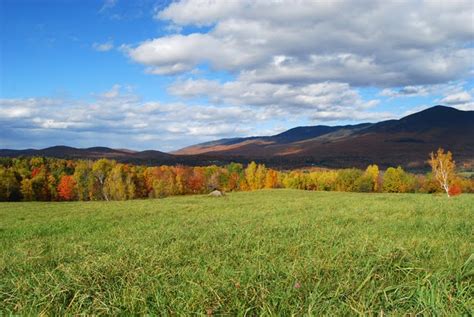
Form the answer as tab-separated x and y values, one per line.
443	168
271	179
373	172
250	172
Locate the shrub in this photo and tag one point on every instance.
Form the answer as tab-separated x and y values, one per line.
455	190
364	184
396	180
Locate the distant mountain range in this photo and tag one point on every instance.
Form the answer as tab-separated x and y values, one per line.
406	142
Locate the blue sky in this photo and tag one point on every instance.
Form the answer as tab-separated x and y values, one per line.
163	75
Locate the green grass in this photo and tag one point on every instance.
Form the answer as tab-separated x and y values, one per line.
245	254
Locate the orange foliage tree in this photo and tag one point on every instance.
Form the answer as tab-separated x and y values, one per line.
66	187
271	179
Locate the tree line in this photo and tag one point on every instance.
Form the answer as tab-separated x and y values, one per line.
50	179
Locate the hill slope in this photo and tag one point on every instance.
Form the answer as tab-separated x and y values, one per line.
404	142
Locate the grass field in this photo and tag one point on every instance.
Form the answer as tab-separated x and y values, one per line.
275	252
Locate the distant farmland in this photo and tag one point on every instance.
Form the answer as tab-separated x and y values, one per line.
273	252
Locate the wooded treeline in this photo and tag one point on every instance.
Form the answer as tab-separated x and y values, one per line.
50	179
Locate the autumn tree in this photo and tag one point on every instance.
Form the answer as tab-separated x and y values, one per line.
235	177
372	171
41	184
66	188
84	180
255	175
346	179
260	175
138	177
52	187
213	177
160	181
9	185
250	175
181	174
27	189
396	180
196	181
296	180
119	184
364	184
443	168
271	179
100	171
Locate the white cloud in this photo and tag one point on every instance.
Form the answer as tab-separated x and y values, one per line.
407	91
108	4
459	99
114	92
103	47
376	43
319	101
120	118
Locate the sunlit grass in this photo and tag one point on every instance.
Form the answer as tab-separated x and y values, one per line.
275	252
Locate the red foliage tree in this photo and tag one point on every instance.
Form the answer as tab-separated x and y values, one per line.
35	171
196	180
66	188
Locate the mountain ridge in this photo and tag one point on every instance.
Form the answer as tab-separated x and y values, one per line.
406	141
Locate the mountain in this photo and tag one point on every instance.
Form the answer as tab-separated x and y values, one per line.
406	142
289	136
148	157
67	152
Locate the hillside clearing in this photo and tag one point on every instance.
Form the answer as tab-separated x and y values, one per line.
265	252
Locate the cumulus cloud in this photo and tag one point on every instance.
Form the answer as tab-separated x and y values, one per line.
457	98
460	99
313	100
454	94
407	91
377	43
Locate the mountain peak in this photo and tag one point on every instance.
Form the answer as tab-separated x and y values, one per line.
438	114
440	109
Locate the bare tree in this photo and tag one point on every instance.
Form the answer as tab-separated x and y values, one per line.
443	168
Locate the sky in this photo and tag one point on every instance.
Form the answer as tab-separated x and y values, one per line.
163	75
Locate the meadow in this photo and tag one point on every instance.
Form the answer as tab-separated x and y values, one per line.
268	252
